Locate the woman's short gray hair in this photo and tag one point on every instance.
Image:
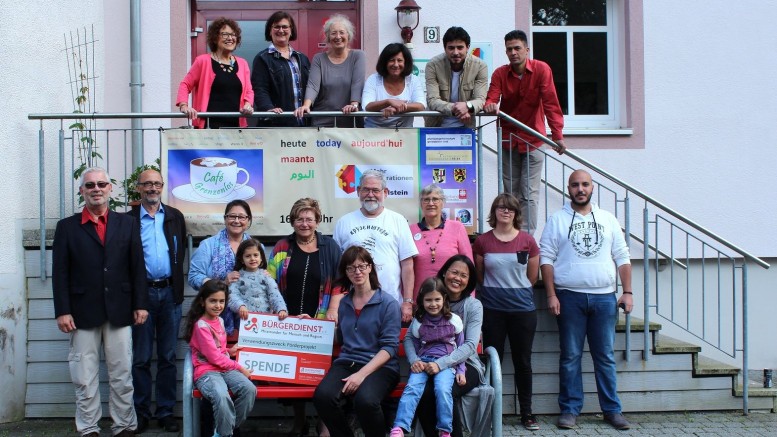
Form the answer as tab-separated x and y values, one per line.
432	189
342	19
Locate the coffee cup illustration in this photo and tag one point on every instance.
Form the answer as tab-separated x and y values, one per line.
214	177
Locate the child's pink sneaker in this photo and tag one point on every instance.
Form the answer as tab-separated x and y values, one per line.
397	432
445	434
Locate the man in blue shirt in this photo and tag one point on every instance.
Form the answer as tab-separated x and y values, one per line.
163	234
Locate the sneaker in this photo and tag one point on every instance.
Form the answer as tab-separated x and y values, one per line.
617	421
566	421
397	432
445	434
530	422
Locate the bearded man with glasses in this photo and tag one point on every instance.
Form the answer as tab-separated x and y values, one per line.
163	234
99	292
386	235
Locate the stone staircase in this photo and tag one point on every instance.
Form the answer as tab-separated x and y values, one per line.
676	376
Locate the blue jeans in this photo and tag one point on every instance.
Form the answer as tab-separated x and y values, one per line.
416	382
164	318
594	316
227	414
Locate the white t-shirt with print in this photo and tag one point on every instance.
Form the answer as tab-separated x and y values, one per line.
388	239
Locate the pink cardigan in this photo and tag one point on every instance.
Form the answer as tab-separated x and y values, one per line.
199	80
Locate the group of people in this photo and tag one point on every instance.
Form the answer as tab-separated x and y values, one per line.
118	287
118	278
283	80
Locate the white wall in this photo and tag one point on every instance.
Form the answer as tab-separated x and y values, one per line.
710	117
35	80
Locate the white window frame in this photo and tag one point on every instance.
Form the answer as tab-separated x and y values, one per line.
616	91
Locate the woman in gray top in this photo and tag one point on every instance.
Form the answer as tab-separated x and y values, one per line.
336	76
459	276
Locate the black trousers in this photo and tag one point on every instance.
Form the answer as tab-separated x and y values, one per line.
519	328
331	403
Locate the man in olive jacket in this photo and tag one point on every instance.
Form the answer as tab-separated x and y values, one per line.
456	82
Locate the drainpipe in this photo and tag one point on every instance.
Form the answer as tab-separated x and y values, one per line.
136	83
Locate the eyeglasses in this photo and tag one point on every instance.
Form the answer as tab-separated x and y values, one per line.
431	200
361	267
227	35
373	191
504	209
150	184
281	27
304	221
238	217
91	185
458	274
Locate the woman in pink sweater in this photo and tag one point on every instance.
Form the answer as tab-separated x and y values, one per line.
215	373
436	238
218	81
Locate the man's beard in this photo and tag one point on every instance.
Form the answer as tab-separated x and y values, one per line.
370	205
584	203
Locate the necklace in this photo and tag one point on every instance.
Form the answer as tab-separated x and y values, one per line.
308	241
304	279
226	68
433	249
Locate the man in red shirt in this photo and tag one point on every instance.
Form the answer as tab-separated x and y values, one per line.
524	90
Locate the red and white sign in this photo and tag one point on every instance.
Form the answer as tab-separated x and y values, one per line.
292	350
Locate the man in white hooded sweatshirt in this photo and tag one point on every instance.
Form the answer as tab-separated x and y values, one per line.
580	249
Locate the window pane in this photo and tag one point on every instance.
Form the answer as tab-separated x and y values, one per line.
590	73
569	12
551	47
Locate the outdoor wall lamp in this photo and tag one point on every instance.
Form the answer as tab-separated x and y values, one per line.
407	19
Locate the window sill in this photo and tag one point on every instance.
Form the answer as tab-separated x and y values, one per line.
569	132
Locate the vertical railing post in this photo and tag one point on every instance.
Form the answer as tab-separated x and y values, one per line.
42	201
61	171
499	158
745	335
627	227
646	281
480	179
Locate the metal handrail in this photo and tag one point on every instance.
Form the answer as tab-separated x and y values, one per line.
135	115
640	193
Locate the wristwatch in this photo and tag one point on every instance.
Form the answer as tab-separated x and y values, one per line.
407	300
470	108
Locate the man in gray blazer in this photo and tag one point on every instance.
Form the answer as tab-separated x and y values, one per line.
456	82
100	290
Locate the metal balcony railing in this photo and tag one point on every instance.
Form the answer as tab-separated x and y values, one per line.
692	278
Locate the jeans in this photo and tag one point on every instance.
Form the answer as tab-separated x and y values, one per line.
427	409
164	318
593	316
519	327
521	175
227	414
416	382
330	401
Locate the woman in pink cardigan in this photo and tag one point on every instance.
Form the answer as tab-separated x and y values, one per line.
218	81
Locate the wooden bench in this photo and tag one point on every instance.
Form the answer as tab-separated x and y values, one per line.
192	396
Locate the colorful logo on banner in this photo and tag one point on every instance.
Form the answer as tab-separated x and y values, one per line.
292	350
271	168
